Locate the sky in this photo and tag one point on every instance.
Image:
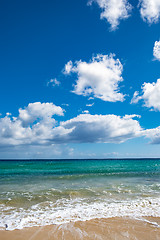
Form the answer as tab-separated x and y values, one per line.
79	79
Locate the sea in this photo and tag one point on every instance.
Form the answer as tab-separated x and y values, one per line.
45	192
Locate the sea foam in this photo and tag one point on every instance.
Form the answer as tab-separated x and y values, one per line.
64	211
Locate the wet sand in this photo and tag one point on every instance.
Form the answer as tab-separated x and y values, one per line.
109	229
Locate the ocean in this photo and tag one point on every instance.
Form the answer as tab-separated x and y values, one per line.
38	193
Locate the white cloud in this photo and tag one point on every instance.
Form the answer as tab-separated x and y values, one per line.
99	77
85	111
65	104
150	95
89	104
102	128
153	134
113	10
33	125
53	82
156	50
41	129
150	10
136	97
42	111
90	98
68	68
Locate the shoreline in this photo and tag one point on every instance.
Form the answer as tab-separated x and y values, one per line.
119	228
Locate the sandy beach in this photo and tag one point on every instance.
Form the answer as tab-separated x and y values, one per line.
109	229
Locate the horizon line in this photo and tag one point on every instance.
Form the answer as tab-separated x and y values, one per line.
74	159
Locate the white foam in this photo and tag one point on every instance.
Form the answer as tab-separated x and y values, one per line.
145	220
65	210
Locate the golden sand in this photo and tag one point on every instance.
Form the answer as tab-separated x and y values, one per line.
96	229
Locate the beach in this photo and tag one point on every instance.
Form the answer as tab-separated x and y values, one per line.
109	229
80	199
80	120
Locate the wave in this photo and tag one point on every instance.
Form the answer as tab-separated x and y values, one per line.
66	210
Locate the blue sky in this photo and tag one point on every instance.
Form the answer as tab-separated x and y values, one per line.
79	79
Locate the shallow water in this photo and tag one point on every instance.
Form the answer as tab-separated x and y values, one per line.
45	192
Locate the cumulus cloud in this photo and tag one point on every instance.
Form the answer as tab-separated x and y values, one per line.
87	128
100	77
150	10
153	134
53	82
156	50
34	124
102	128
42	111
113	11
150	95
35	127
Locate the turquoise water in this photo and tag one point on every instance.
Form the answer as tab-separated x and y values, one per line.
47	192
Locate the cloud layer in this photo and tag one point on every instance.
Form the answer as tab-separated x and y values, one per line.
99	77
113	11
35	126
150	95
